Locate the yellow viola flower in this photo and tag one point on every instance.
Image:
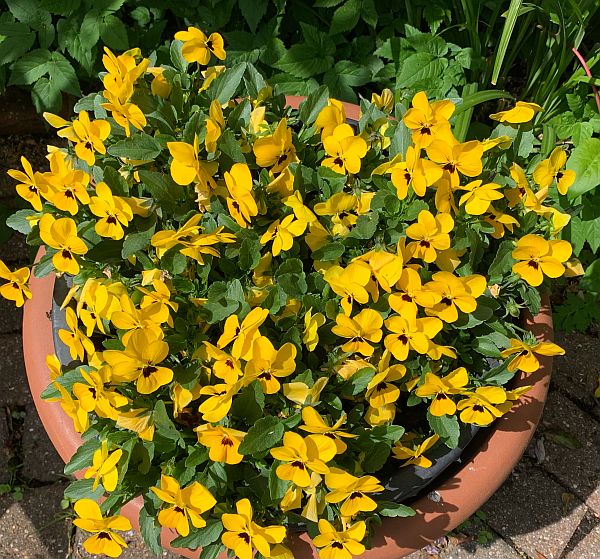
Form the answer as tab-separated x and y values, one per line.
430	234
314	505
123	71
410	332
181	398
441	388
74	339
302	212
197	47
54	366
383	415
125	114
140	362
503	142
104	468
72	407
479	196
282	233
224	366
65	186
340	545
444	195
330	117
242	535
352	490
345	150
343	209
186	166
384	101
268	364
113	211
524	354
209	75
457	158
132	319
165	240
416	454
428	122
386	270
16	289
573	268
223	443
538	257
242	335
501	222
241	203
105	540
214	126
301	456
410	293
312	323
30	184
415	172
552	169
96	396
483	406
218	403
365	327
159	85
276	151
188	504
522	112
349	283
301	394
140	421
316	425
381	391
454	293
160	295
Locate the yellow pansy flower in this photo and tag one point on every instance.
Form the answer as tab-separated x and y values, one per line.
54	366
415	455
365	327
165	240
342	544
538	257
224	366
197	47
209	76
105	540
113	211
123	72
524	354
444	194
430	234
242	535
316	425
282	233
188	504
160	295
501	222
410	293
345	150
186	166
214	126
125	114
415	172
16	289
457	158
520	113
95	394
132	319
159	85
302	212
74	339
301	394
218	403
352	491
381	391
242	335
104	468
314	505
223	443
312	323
30	184
72	407
349	283
440	388
384	101
454	293
140	421
65	186
241	203
386	270
276	151
268	364
330	117
410	332
551	169
483	406
428	122
479	196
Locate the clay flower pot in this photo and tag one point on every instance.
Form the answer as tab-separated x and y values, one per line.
484	467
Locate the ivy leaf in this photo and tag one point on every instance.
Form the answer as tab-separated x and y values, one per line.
264	434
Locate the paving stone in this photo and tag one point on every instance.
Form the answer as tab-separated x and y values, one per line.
40	460
528	511
588	547
31	529
136	548
15	390
5	452
576	468
576	373
11	317
496	549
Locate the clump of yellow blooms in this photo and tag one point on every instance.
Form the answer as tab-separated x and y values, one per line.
259	293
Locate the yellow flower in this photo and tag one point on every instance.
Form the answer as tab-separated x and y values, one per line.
105	540
160	295
140	421
73	409
340	545
381	391
365	327
454	293
242	335
345	150
524	354
500	222
65	185
414	172
330	117
282	233
386	269
455	157
225	366
352	490
301	456
188	504
428	121
430	234
30	184
315	424
214	126
223	443
410	332
130	318
349	283
104	468
385	101
312	323
123	72
218	403
301	394
314	505
114	212
411	293
242	535
241	203
159	85
483	406
440	388
415	455
165	240
96	395
54	366
209	76
551	169
268	364
74	339
140	360
276	151
197	47
537	257
125	114
17	288
520	113
479	196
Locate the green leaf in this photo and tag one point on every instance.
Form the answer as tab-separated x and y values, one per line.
502	262
286	84
365	227
135	242
43	268
161	187
253	11
308	59
30	68
507	31
310	108
585	161
62	74
345	77
391	509
174	262
163	422
229	145
250	403
200	537
46	96
358	382
447	427
376	457
419	68
150	530
331	251
19	222
114	33
82	489
345	17
218	306
249	254
226	84
18	39
116	181
263	435
176	57
82	457
139	146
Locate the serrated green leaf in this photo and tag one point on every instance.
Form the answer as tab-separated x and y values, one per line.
150	530
345	17
585	161
30	67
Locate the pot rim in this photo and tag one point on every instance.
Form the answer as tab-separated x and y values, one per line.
446	506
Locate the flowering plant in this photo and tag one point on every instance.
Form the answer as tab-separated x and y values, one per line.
259	293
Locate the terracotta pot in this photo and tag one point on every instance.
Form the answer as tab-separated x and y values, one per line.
445	507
